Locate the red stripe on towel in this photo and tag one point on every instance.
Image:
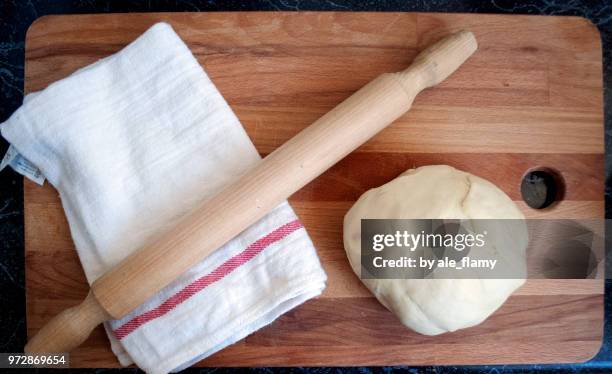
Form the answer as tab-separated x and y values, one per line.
201	283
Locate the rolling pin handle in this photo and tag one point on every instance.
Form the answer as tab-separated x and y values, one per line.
435	63
68	329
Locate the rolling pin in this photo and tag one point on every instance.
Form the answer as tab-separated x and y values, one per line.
286	170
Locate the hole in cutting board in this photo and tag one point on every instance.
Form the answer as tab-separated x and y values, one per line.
542	187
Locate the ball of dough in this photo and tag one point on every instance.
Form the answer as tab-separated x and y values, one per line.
436	306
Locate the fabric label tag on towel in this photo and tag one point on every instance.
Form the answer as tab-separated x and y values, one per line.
22	166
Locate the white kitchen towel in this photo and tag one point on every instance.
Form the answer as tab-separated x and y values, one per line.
132	143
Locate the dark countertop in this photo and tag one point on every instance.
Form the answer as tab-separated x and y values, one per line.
17	15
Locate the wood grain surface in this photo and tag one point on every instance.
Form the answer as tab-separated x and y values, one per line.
531	96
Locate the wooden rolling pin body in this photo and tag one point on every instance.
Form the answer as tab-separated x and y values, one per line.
278	176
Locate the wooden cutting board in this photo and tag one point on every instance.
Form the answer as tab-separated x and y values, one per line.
531	96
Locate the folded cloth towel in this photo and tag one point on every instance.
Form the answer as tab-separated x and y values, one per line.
132	143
